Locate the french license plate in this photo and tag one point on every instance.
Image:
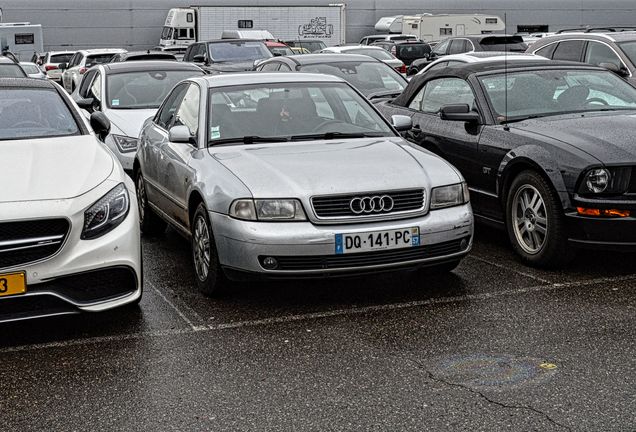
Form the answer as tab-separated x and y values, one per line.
377	240
12	284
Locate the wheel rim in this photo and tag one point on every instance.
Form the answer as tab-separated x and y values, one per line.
529	219
201	246
141	198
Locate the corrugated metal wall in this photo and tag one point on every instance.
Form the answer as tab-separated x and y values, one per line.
137	23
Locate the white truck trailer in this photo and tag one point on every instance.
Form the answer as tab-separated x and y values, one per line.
184	26
429	27
23	39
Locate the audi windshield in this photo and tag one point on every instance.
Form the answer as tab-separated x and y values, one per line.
291	112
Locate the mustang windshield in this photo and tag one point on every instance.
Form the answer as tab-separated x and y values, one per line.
30	113
291	111
142	90
525	94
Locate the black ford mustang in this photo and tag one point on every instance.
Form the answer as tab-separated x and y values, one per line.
548	150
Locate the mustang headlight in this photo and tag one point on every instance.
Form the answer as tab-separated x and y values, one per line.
268	210
107	213
449	196
125	144
612	180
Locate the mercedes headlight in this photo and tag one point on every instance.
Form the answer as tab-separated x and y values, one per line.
612	180
107	213
278	210
449	196
124	144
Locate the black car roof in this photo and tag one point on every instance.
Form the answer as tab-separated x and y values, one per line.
149	65
25	83
465	70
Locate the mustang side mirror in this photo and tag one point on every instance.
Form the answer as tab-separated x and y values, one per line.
199	58
100	124
458	112
615	68
402	123
180	134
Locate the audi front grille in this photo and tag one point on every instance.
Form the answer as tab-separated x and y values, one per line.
370	205
25	242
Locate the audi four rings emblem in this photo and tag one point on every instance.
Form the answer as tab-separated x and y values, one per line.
371	204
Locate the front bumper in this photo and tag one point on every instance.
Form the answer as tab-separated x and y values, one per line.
617	234
309	250
85	275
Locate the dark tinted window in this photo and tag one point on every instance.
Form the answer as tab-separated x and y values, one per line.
547	51
165	116
238	51
569	50
86	82
413	51
499	43
598	53
629	49
60	58
11	71
458	46
93	60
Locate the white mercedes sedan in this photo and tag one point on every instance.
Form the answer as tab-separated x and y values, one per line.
69	228
295	175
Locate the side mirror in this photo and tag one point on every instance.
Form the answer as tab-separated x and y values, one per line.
85	103
100	124
63	66
458	112
180	134
615	68
277	54
199	58
402	123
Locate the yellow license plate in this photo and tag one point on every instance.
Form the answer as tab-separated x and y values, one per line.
12	284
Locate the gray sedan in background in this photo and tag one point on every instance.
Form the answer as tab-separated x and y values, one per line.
295	175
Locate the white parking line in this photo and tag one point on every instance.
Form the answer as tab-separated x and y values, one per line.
317	315
173	306
495	264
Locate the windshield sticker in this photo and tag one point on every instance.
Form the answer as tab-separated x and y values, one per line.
215	132
115	102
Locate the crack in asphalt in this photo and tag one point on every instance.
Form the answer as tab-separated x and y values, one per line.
489	400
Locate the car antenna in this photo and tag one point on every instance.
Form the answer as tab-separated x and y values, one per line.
506	126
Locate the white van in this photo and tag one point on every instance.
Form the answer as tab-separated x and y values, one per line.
22	39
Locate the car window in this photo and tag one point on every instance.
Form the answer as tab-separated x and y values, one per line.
34	113
273	66
378	54
598	53
458	46
629	49
188	111
166	114
96	87
569	50
440	92
72	61
11	71
60	58
238	51
284	68
547	51
413	51
87	80
93	60
440	48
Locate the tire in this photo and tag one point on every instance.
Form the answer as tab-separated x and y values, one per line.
535	222
207	269
149	222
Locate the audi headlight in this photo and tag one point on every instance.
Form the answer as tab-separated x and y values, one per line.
612	180
124	144
107	213
449	196
268	210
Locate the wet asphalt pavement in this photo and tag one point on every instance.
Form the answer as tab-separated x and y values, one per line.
492	346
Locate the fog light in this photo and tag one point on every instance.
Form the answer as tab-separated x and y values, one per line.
464	244
270	263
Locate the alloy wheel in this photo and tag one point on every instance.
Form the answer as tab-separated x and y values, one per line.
529	219
141	197
201	246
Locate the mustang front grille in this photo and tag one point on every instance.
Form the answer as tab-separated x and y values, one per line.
369	204
24	242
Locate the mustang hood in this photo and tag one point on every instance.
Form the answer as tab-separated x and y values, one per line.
52	168
129	122
302	169
608	136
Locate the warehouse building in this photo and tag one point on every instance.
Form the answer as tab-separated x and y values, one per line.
137	24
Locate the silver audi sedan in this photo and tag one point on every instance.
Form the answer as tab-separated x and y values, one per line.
295	175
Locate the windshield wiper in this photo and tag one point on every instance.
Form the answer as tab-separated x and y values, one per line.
250	139
336	135
520	119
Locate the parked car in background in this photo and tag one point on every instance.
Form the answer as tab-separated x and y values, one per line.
32	70
70	234
81	62
478	57
371	51
143	55
227	55
268	188
368	40
9	68
546	148
311	45
369	76
278	48
615	51
299	50
465	44
128	93
51	63
177	51
406	50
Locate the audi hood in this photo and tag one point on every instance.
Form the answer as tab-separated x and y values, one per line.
302	169
52	168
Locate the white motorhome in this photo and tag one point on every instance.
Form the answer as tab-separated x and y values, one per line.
429	27
389	24
184	26
22	38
